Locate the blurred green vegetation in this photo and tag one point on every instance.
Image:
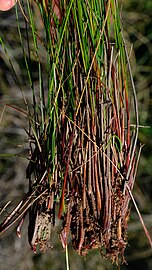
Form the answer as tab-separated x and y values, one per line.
137	21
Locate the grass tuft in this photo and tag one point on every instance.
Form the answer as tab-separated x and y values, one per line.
82	149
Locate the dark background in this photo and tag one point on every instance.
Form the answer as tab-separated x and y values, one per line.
15	253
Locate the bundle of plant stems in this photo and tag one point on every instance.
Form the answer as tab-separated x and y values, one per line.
82	163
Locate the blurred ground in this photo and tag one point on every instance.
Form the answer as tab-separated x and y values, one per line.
15	253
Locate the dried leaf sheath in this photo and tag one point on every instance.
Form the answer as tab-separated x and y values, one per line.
96	186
